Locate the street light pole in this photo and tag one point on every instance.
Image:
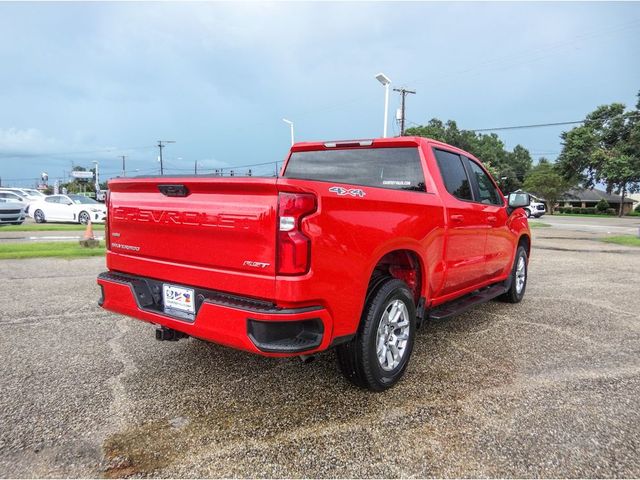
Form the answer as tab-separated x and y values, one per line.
385	81
161	145
97	185
124	170
290	123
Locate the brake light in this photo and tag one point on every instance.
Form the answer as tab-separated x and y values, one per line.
294	247
107	235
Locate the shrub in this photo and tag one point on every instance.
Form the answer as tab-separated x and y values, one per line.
589	210
638	208
602	206
611	211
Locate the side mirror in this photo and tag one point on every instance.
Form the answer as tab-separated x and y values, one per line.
519	200
68	203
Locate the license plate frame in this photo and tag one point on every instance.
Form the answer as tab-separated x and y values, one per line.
178	300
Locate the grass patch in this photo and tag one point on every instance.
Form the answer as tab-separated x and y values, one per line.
48	227
536	224
627	240
48	249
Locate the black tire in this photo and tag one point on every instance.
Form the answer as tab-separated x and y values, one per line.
38	216
514	294
84	217
528	212
358	359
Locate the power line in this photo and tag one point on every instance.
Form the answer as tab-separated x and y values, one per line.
535	125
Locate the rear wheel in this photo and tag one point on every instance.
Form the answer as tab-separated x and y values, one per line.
84	218
38	216
378	355
528	212
518	277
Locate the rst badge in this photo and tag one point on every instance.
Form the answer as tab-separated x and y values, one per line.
354	192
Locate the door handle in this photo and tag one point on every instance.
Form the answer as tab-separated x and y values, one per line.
457	218
492	219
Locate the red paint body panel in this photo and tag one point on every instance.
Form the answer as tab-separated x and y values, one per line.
222	236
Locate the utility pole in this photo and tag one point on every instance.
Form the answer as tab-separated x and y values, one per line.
403	93
124	170
161	145
195	168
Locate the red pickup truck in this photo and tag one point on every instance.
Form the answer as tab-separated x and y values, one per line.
353	246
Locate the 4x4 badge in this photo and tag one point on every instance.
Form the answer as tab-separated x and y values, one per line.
354	192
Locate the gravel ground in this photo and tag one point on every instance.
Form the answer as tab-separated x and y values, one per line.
549	387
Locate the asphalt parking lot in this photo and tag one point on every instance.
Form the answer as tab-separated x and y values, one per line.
549	387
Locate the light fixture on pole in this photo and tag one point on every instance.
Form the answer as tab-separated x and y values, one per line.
385	81
97	174
290	123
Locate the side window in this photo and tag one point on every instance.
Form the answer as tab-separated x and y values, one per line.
454	175
51	199
487	192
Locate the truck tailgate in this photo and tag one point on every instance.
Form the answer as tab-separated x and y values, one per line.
210	223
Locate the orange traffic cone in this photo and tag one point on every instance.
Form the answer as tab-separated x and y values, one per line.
88	233
88	239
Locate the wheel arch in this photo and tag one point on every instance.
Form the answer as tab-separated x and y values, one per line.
525	241
405	264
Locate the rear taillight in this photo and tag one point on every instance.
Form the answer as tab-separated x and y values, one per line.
107	235
294	248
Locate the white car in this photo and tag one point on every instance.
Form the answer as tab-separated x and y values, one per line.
11	212
29	194
535	209
13	195
68	208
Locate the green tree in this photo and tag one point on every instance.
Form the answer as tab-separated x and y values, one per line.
605	149
546	181
508	168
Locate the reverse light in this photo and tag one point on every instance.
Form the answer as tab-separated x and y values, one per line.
294	247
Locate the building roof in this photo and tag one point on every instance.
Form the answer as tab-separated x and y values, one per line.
592	195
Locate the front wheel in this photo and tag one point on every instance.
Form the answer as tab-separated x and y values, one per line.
84	217
378	355
518	277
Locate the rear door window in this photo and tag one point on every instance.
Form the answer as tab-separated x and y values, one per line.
454	174
394	168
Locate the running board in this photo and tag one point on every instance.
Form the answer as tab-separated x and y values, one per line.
463	304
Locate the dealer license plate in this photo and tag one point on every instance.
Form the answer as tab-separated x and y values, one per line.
178	299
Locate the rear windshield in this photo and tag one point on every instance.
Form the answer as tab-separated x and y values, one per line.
395	168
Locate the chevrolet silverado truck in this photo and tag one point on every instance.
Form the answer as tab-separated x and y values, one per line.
353	246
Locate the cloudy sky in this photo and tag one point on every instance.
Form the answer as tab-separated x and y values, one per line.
92	81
